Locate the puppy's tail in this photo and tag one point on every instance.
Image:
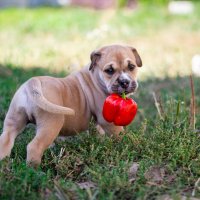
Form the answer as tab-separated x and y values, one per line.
35	93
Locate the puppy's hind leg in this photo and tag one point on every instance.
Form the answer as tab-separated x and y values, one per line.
15	121
48	128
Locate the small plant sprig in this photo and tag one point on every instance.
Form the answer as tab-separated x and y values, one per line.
192	105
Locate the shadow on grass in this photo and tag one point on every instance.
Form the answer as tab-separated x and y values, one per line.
166	90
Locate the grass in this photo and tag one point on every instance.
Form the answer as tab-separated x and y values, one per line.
54	39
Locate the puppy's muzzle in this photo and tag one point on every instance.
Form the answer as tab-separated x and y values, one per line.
124	86
133	86
124	83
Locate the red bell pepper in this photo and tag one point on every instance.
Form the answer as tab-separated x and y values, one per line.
119	110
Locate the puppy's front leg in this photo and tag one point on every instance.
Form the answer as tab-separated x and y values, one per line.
113	130
110	129
100	130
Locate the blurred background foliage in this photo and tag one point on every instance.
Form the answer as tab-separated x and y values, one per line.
62	38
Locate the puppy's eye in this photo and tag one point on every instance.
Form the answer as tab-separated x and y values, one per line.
110	70
131	67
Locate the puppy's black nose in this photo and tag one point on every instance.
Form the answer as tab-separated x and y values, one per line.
124	83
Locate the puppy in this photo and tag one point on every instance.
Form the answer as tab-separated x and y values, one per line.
65	105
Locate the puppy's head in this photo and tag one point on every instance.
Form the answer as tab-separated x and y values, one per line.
115	68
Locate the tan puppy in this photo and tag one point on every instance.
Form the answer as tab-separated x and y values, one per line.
65	105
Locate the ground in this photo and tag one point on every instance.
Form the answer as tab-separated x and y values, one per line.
159	155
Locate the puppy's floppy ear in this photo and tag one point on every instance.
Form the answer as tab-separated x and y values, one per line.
94	57
137	57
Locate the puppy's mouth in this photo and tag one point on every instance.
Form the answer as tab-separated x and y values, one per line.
116	88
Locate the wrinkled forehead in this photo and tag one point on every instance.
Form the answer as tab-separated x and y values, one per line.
119	55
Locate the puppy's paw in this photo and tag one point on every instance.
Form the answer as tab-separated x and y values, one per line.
100	130
33	164
5	148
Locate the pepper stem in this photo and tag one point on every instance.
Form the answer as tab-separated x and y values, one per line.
123	95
